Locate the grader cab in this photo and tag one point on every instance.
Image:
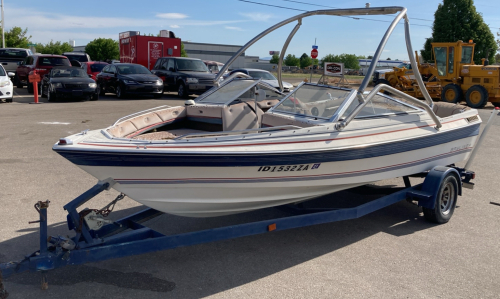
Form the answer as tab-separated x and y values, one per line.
453	77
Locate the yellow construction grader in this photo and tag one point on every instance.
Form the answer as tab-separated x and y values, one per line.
452	77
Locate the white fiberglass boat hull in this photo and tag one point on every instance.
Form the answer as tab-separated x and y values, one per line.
216	191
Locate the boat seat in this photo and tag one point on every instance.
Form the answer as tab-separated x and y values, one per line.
275	120
122	129
267	103
443	109
205	114
148	121
241	116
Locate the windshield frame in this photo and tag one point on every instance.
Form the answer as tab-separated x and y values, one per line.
341	109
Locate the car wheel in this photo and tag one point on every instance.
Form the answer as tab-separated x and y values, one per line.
30	87
182	91
94	97
101	90
51	96
9	100
119	92
18	82
42	92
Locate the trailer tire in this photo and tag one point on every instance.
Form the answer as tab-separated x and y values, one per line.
452	93
496	104
383	81
446	201
476	96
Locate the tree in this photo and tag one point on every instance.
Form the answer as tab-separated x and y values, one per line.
16	37
54	48
369	57
275	59
361	57
305	61
291	60
350	61
102	49
388	58
497	58
426	52
315	61
183	52
458	20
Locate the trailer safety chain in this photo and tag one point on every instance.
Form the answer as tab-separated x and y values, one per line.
104	211
3	291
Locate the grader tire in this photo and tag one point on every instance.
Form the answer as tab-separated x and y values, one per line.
476	96
452	93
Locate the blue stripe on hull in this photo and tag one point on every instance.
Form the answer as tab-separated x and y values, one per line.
130	159
292	178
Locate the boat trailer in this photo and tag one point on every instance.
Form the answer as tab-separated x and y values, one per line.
98	239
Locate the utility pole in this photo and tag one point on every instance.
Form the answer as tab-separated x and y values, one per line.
3	28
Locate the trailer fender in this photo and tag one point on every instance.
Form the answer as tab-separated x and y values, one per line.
427	195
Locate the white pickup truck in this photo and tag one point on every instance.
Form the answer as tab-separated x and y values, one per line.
10	57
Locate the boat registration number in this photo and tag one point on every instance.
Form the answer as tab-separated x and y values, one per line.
301	167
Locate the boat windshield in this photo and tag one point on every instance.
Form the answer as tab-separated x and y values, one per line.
315	101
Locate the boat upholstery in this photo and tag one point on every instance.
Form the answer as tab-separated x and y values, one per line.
267	103
274	120
205	113
241	116
148	121
443	109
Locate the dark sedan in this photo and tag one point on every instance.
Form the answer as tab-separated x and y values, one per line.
128	78
68	83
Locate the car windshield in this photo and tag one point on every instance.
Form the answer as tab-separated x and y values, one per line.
315	101
53	61
125	69
2	71
68	72
80	58
260	74
97	67
191	65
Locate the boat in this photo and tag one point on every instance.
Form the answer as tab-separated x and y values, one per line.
245	145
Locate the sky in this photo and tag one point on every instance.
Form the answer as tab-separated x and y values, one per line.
232	22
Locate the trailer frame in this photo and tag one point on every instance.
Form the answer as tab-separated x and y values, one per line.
128	236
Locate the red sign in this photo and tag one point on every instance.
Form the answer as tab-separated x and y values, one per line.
314	53
34	78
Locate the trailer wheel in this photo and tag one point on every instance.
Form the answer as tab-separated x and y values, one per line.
496	104
452	93
383	81
476	96
446	201
181	91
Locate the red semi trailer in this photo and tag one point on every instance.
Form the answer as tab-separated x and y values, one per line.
145	50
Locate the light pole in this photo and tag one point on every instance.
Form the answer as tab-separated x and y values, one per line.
3	27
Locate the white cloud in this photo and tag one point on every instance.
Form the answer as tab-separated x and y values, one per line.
171	15
175	26
234	28
256	16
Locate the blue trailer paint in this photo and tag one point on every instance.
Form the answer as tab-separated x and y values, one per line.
128	237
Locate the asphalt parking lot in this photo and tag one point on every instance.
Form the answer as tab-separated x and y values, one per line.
392	253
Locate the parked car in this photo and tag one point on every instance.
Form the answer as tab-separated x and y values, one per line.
214	66
78	56
94	67
42	63
6	86
184	75
266	77
68	82
10	57
128	78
